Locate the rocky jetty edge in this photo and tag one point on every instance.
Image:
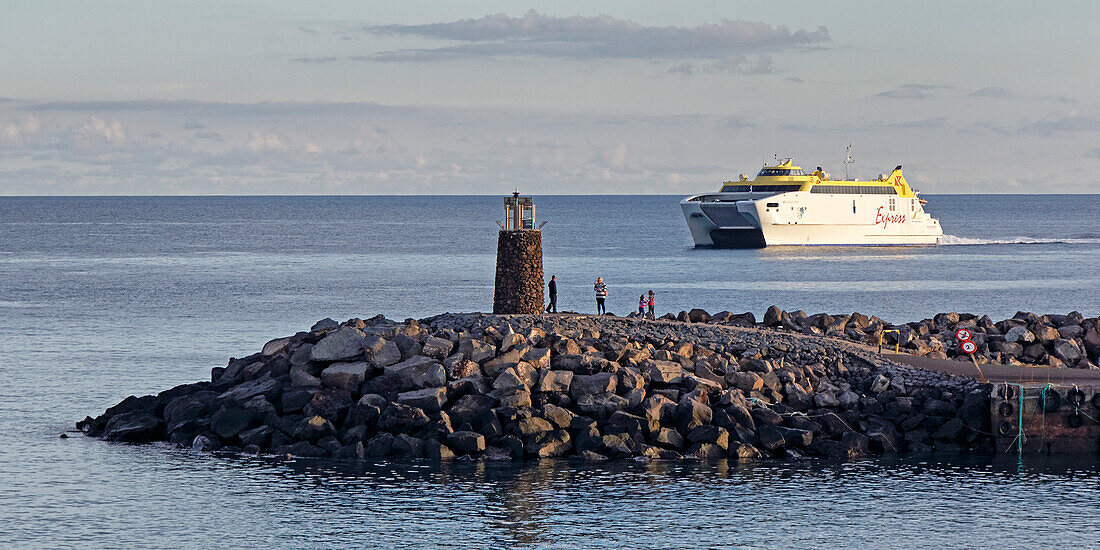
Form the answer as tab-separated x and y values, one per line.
1026	339
513	386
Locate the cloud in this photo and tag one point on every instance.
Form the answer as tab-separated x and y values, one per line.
315	60
262	143
912	91
13	133
599	37
991	91
1072	122
934	122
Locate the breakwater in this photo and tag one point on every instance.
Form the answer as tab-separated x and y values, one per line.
491	386
1025	339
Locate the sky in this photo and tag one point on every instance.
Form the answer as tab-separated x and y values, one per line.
566	97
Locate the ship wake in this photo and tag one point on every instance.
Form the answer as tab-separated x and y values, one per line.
952	240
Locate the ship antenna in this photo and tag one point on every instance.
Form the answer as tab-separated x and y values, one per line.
848	160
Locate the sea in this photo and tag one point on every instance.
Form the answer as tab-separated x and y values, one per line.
105	297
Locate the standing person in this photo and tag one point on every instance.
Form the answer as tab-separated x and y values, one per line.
641	305
601	295
553	291
650	304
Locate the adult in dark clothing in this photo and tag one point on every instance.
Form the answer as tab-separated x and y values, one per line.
601	295
553	291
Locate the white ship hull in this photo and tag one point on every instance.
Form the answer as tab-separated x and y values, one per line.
801	218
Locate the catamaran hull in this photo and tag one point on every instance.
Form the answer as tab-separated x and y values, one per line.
797	219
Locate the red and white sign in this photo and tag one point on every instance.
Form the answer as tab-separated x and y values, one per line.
963	335
969	347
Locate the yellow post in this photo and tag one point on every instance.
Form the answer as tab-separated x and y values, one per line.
897	341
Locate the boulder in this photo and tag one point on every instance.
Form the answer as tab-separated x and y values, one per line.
558	416
266	386
427	399
380	352
230	420
1019	334
436	348
345	376
664	372
698	316
400	418
134	427
323	325
773	316
554	381
548	444
530	426
418	372
466	442
1068	351
276	346
407	446
593	384
339	345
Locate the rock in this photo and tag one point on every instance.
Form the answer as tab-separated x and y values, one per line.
771	438
134	427
301	448
399	418
204	443
558	416
276	346
437	348
710	434
1045	334
324	324
548	444
427	399
746	452
773	316
301	378
231	420
509	381
592	384
419	372
380	352
531	426
266	386
339	345
345	376
745	381
554	381
1068	351
938	408
664	372
698	316
1019	334
379	445
466	442
692	414
826	399
538	357
407	446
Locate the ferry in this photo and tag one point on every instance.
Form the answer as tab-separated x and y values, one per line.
783	206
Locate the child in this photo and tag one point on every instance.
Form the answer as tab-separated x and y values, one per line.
650	304
641	305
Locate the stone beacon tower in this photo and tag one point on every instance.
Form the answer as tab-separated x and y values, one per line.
519	287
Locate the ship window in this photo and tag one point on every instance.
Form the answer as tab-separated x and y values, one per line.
853	207
773	205
735	189
854	189
780	172
891	205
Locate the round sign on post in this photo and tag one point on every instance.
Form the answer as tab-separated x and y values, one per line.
963	335
969	347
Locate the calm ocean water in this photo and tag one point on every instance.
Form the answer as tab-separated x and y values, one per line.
105	297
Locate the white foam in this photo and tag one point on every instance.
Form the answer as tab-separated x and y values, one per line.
952	240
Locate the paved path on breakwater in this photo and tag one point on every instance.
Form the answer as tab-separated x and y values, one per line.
993	373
